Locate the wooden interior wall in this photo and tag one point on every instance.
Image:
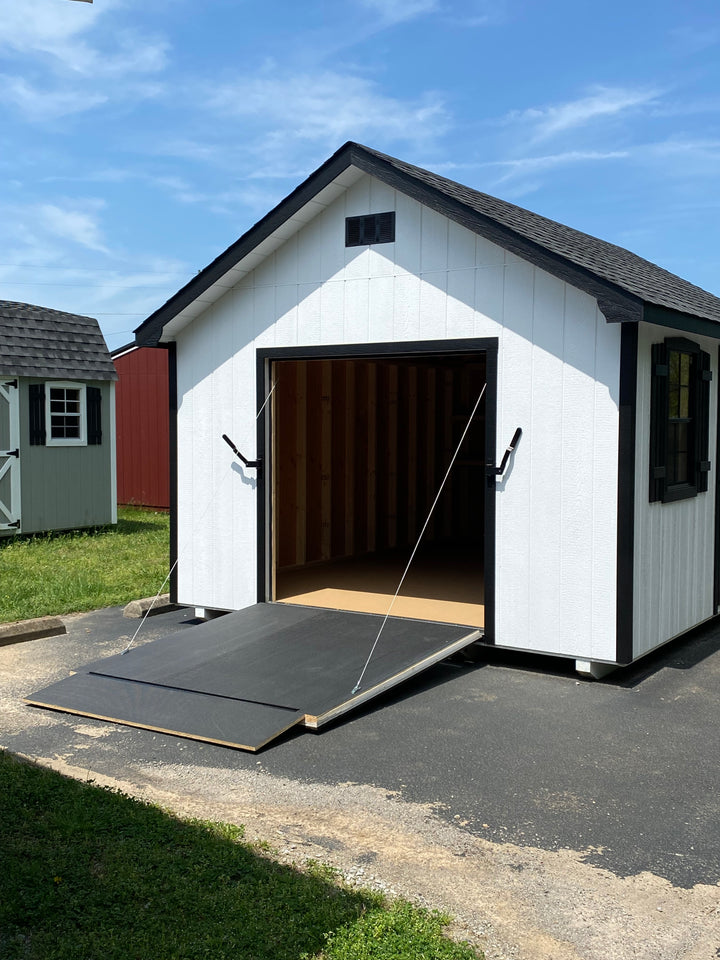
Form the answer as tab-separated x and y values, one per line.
360	448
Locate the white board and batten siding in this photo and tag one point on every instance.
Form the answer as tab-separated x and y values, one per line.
674	542
558	375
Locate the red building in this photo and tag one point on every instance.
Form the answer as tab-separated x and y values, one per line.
142	416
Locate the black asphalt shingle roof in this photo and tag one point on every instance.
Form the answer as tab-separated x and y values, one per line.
40	342
623	283
606	261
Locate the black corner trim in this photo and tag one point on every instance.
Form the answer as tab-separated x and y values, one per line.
716	578
173	445
626	493
265	479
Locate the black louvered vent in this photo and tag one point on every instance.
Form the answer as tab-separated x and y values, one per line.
372	228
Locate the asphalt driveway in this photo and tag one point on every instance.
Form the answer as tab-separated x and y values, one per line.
516	749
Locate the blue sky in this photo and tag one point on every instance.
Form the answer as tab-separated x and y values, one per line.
138	140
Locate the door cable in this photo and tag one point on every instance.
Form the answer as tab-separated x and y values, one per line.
412	555
209	503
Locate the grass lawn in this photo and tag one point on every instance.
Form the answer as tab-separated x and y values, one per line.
90	874
58	573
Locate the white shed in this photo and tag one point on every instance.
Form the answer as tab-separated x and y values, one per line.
343	342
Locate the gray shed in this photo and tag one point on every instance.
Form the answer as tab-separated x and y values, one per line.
57	421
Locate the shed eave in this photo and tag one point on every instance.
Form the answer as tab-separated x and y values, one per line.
297	210
677	320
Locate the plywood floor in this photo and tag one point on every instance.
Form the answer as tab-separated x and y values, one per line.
445	585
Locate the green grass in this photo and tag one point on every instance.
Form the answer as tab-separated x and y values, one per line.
91	874
60	573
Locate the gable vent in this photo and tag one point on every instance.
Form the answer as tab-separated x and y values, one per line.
372	228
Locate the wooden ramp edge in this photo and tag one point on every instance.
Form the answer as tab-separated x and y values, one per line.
241	724
333	712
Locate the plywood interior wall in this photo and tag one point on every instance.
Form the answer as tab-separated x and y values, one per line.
360	448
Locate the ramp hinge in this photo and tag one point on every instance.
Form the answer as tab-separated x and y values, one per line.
11	453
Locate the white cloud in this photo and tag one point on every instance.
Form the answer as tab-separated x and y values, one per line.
41	104
326	109
56	34
42	264
533	165
603	102
74	225
71	58
398	11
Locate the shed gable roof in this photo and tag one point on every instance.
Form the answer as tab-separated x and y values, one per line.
40	342
622	282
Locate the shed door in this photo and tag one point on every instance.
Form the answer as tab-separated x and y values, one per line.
9	456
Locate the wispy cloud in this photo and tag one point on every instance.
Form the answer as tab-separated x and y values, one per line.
532	165
600	103
56	255
398	11
73	58
59	34
79	226
39	103
693	38
326	109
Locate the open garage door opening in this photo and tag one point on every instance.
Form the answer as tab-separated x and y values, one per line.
359	449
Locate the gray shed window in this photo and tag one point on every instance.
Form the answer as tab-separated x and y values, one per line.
65	414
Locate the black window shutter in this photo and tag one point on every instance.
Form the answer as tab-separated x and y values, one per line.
94	415
37	414
703	420
658	420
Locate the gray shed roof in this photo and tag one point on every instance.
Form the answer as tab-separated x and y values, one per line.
40	342
627	287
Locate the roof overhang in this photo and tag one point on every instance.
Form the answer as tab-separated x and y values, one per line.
328	183
297	210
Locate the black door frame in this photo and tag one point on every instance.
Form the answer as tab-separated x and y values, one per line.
416	348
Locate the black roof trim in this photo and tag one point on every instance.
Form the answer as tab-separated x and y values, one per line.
621	281
126	348
686	322
615	303
150	331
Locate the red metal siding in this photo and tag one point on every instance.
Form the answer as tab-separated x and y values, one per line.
142	412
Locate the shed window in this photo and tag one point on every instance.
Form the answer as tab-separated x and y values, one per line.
680	406
65	414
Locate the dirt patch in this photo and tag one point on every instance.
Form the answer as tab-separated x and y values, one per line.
513	902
